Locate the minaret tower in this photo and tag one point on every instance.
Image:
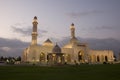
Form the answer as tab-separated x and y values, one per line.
72	28
34	32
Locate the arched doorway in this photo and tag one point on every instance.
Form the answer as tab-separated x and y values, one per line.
54	58
98	59
68	58
80	56
42	57
51	58
106	59
34	56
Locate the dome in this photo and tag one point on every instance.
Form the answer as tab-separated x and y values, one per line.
35	17
72	24
74	40
48	42
56	49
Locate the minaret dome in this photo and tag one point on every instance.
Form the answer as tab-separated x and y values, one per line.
72	26
35	17
35	20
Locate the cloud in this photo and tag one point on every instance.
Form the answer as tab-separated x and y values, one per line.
103	28
12	47
22	31
27	31
6	49
108	27
79	14
41	33
20	24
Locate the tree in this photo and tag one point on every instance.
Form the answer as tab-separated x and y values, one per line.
1	58
115	58
18	58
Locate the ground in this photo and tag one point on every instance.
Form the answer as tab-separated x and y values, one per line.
80	72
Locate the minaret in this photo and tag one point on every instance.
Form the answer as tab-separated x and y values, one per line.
72	28
34	32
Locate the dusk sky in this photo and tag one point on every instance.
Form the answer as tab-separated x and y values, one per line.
92	18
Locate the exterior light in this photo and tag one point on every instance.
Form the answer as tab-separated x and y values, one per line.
53	55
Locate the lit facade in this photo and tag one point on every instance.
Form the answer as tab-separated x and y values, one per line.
71	53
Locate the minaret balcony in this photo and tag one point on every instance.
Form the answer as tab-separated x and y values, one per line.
34	33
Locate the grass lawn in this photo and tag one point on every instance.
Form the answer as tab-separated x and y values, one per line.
81	72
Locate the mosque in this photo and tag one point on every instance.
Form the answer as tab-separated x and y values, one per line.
71	53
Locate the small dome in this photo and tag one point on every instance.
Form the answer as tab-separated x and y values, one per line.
35	17
72	24
56	49
48	42
74	40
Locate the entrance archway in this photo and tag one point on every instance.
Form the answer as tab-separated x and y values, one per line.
98	59
42	57
80	56
106	59
68	58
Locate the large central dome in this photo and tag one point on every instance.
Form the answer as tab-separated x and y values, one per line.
56	49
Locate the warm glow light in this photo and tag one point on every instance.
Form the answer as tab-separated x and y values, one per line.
68	46
34	20
66	55
53	55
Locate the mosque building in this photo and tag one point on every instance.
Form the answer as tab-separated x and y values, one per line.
71	53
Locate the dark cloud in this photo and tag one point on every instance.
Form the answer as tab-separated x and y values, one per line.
108	27
103	28
12	47
79	14
27	31
22	31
